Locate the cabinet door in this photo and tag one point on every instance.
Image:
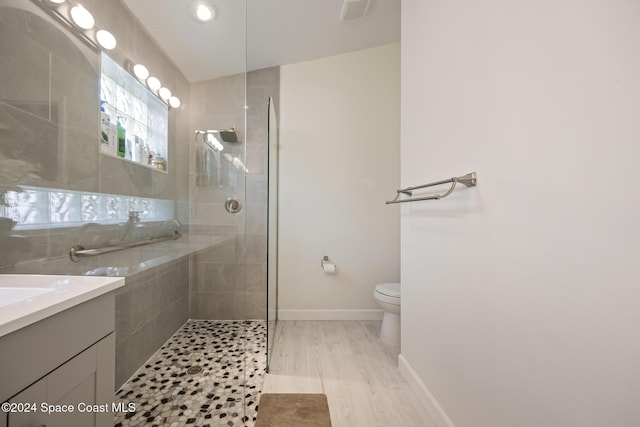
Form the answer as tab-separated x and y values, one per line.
63	396
34	394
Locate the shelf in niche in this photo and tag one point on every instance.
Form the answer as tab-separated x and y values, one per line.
142	165
143	115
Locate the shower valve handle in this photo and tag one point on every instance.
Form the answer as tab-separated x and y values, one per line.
233	205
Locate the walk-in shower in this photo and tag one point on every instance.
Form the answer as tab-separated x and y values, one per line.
217	273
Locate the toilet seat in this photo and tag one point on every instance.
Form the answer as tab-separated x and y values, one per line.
389	289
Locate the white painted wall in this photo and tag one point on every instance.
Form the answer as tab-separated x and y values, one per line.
521	297
339	163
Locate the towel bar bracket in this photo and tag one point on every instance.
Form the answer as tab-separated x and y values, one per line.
469	180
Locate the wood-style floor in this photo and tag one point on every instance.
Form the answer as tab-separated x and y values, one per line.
347	361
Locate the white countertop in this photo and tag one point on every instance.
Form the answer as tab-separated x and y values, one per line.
28	298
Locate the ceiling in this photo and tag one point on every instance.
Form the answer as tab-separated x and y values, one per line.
275	32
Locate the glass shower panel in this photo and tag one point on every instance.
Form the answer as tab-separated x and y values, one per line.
272	232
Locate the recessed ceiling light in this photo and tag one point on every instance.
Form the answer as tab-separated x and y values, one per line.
203	11
154	83
82	17
106	39
57	1
140	71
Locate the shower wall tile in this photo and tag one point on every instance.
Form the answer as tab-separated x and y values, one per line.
257	189
255	276
268	78
255	304
50	116
257	159
222	252
256	217
212	306
150	307
28	144
24	62
222	277
132	351
251	248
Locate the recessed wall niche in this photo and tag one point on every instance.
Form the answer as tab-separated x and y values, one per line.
133	122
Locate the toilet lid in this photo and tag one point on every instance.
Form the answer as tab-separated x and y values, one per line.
389	289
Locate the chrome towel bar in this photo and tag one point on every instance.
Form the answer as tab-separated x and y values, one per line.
470	180
78	251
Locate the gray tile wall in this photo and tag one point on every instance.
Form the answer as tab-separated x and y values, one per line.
49	138
50	115
150	308
231	282
49	122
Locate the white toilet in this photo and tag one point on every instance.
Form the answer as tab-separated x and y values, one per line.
388	297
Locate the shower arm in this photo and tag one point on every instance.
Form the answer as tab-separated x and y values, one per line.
470	180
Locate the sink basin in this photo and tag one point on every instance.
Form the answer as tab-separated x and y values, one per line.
26	299
10	296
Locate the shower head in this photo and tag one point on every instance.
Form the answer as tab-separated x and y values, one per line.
224	135
214	138
228	135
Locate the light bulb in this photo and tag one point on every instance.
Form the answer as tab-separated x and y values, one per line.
140	71
174	102
82	17
106	39
154	83
164	93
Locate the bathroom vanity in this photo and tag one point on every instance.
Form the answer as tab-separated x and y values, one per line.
57	350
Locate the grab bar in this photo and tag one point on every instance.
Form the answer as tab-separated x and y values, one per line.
470	180
78	251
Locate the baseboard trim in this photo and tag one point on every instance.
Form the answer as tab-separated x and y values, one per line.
330	314
423	394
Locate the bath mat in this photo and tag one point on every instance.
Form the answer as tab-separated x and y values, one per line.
293	410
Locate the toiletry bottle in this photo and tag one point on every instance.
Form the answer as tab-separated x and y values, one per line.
145	155
113	139
122	140
139	157
104	127
128	154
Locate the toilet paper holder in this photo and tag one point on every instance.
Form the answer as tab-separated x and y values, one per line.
327	267
323	260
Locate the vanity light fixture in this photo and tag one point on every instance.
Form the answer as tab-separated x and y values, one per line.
106	39
174	102
140	71
203	11
78	19
164	93
82	17
153	83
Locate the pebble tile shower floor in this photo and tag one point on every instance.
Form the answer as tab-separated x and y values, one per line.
205	375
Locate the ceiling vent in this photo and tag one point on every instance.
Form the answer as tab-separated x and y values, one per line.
354	9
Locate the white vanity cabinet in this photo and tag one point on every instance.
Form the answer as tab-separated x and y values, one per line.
60	371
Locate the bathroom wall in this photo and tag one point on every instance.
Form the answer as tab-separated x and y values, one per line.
520	296
49	121
230	280
339	163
